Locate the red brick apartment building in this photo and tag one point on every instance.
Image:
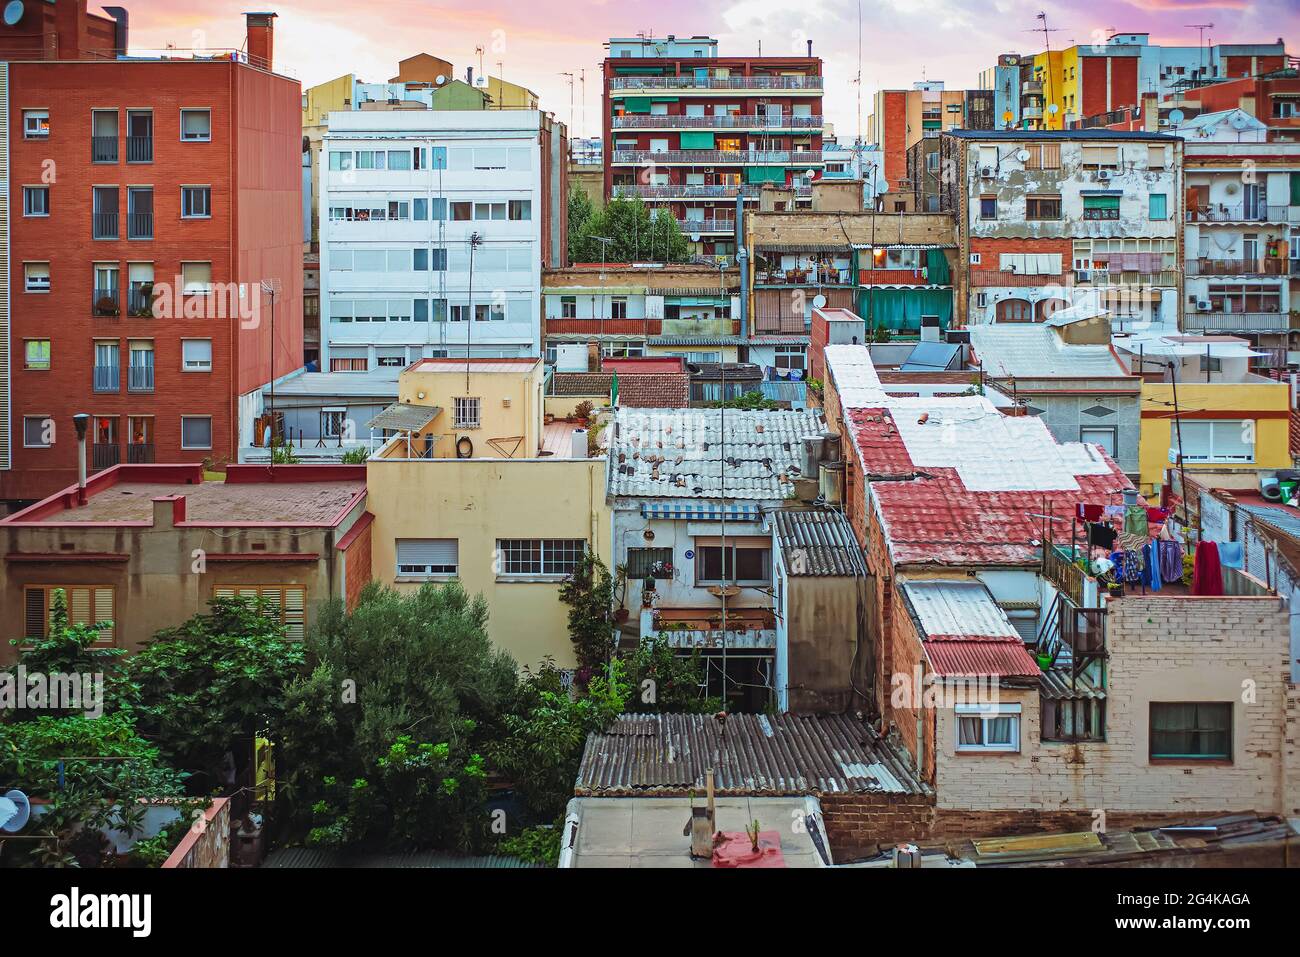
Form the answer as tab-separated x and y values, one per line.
689	130
130	176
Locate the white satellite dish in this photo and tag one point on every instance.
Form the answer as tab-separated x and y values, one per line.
13	12
1176	116
1053	108
480	81
819	301
695	237
440	79
15	809
1022	155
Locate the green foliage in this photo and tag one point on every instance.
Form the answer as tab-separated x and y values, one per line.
283	454
356	456
749	401
589	593
663	681
221	676
546	731
154	851
536	845
636	234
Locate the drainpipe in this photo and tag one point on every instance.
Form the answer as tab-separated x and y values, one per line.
81	420
742	264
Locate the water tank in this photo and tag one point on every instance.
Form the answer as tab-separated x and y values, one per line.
811	455
579	450
832	483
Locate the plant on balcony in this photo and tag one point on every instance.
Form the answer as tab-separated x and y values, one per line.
106	306
589	593
144	307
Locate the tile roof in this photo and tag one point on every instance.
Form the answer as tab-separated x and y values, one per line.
752	754
979	658
650	390
677	453
818	543
1032	350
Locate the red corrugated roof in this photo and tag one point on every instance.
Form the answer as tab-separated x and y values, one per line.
1000	657
935	519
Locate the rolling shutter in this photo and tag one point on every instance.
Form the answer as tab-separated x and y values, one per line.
427	556
289	601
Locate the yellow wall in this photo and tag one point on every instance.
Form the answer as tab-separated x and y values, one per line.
323	98
510	96
1237	400
478	501
1047	67
510	406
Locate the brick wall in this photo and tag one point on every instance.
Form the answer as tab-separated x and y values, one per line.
357	569
857	823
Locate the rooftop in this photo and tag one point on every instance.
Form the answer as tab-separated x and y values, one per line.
522	364
1031	136
964	632
1032	350
818	543
653	390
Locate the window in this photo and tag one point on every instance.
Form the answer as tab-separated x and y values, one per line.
1191	731
1043	156
38	431
618	307
462	212
36	277
1015	310
85	605
988	207
1155	157
427	557
1073	719
196	202
1211	364
932	162
1043	207
288	603
36	124
465	413
196	125
745	563
538	556
568	307
340	160
196	278
104	213
1101	207
1101	157
1210	440
1159	206
649	563
789	357
1105	436
196	431
36	354
521	209
196	355
988	728
348	364
489	210
36	201
399	159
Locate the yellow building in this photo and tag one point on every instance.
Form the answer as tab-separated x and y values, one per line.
1049	69
510	96
317	103
474	485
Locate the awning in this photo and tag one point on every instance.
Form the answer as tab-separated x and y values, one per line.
404	417
701	512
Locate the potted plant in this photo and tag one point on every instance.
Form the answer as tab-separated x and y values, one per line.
106	306
1044	660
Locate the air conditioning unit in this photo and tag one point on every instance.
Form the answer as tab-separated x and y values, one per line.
1204	305
1103	175
986	172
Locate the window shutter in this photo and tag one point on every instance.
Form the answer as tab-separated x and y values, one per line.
293	612
79	606
37	612
104	611
1196	440
426	551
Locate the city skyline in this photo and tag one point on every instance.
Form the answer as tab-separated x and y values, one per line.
535	47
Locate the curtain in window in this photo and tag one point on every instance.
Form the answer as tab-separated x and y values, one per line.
902	309
1001	730
970	731
936	267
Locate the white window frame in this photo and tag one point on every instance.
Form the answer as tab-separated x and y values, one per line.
426	569
1211	457
987	713
27	278
195	139
206	288
462	406
187	365
38	418
197	448
547	549
1112	430
39	134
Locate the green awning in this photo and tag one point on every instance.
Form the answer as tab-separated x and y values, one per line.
1101	202
663	99
697	141
637	104
764	174
936	268
901	310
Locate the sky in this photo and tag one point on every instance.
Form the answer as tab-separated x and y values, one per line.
537	41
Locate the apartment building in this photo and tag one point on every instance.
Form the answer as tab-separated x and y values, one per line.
690	130
155	238
1017	96
435	229
900	119
1048	219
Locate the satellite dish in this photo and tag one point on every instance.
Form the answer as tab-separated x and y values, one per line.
695	237
1023	156
1053	108
480	81
440	79
1007	117
1176	116
819	301
15	809
13	12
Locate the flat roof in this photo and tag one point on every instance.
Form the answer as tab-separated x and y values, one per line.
475	365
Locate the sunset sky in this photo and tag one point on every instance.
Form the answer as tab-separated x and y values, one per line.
536	42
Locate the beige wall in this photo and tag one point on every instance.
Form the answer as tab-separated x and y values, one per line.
478	501
510	406
1162	649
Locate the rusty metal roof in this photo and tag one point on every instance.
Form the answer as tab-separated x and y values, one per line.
818	543
751	754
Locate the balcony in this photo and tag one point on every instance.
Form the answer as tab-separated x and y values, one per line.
689	226
748	121
106	378
140	453
683	191
103	226
775	325
103	149
139	149
106	302
1242	213
800	158
139	226
139	301
104	455
1237	267
633	84
139	379
1225	322
824	276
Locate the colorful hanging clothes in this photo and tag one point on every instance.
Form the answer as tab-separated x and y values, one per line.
1157	515
1128	566
1101	535
1207	574
1151	566
1135	521
1088	513
1230	555
1171	561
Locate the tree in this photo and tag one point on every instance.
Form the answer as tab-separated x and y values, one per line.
663	681
589	593
581	212
635	234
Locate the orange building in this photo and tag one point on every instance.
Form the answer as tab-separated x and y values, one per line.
155	234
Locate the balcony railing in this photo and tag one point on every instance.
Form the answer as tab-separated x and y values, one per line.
684	191
103	149
106	302
106	378
767	325
624	83
139	149
139	453
1241	213
707	225
1236	322
722	157
139	226
805	277
1237	267
1064	573
139	301
105	455
735	121
104	226
139	379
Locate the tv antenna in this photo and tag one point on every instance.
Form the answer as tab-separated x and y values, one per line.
1047	42
1200	29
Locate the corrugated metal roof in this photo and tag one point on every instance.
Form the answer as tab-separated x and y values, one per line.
751	755
1055	684
678	453
968	658
1031	349
818	543
320	857
696	341
958	609
796	393
405	417
377	383
763	247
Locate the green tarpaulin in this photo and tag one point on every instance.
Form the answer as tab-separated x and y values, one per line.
936	268
697	141
637	104
900	310
764	174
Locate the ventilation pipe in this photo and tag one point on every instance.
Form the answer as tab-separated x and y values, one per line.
82	421
120	20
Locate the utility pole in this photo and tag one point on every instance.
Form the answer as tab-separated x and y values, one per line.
271	287
475	241
1047	41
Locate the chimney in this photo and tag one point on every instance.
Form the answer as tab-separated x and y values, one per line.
260	43
168	511
121	20
81	420
810	49
469	75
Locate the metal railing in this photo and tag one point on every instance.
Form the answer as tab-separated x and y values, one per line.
139	379
1063	573
735	121
106	378
139	302
625	83
707	225
103	226
139	226
804	277
722	157
1237	321
684	191
105	455
139	453
1237	267
103	149
1240	213
106	302
139	149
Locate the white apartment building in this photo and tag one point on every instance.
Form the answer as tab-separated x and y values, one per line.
434	228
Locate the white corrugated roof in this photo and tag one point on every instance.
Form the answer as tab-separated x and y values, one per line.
679	453
1035	351
958	608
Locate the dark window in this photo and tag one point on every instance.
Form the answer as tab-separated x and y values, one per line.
1043	207
743	564
1195	731
988	207
656	562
